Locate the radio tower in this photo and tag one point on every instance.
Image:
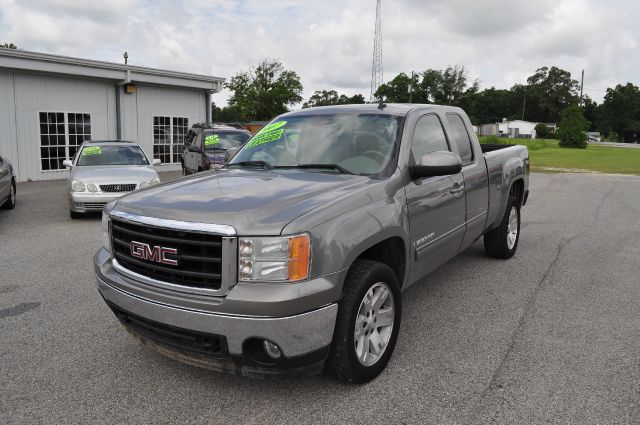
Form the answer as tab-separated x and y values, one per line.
376	68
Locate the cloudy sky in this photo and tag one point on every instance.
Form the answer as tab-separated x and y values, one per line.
329	43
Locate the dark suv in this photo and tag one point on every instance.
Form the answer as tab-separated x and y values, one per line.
208	146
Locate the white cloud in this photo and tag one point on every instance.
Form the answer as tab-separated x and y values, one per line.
329	43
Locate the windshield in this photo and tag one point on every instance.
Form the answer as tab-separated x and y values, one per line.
111	155
224	140
351	143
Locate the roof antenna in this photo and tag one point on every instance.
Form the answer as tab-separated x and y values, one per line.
381	105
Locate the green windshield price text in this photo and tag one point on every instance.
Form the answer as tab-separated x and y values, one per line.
92	150
211	140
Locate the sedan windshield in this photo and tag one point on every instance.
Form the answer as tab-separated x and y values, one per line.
111	155
224	140
346	143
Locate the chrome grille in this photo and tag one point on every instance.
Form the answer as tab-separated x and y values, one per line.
199	255
128	187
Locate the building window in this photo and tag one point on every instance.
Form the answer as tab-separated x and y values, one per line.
180	130
60	135
79	131
168	138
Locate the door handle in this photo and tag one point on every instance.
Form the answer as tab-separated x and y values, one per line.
457	190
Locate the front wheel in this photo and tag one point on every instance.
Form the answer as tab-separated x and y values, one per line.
11	201
368	323
502	241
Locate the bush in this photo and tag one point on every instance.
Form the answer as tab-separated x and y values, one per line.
572	128
542	131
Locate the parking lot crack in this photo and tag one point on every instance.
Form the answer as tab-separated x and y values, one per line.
531	300
18	309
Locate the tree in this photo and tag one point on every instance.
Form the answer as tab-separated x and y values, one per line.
9	46
572	128
549	91
331	97
444	87
265	92
542	131
227	114
619	113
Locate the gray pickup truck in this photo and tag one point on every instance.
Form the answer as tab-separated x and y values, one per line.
293	256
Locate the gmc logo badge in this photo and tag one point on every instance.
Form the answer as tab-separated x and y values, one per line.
157	254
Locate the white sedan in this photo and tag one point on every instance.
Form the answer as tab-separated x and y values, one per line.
105	170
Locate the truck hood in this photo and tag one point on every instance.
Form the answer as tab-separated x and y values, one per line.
113	174
254	202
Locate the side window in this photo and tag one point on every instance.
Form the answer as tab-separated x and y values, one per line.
428	137
461	137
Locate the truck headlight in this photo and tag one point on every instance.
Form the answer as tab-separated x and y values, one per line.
106	239
77	186
274	258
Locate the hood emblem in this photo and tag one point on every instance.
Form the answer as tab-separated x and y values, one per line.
157	254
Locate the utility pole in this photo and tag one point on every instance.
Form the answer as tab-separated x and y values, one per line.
524	103
126	57
581	87
411	87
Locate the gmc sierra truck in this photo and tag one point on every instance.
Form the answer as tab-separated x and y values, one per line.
292	257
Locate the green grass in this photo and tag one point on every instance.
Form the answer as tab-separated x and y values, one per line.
546	155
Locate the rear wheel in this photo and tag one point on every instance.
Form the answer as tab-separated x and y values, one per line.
502	241
10	203
368	323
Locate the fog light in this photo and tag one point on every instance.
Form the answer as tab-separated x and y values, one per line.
271	349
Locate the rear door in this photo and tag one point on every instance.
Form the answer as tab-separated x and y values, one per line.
435	204
476	182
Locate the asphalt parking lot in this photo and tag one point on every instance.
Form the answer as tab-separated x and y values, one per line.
551	336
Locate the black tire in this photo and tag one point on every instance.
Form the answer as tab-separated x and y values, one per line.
343	362
10	203
496	242
74	214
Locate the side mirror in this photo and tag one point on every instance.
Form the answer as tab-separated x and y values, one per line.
67	163
156	161
193	148
439	163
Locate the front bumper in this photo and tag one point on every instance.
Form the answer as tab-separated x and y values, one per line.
91	201
303	338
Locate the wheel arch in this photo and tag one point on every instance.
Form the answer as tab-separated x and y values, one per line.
391	251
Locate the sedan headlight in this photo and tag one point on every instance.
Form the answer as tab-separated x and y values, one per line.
143	185
77	186
154	181
106	239
274	259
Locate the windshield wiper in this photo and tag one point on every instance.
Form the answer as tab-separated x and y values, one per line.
263	164
323	166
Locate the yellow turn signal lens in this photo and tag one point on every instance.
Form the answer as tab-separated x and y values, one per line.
299	253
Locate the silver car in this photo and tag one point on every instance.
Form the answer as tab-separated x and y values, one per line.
102	171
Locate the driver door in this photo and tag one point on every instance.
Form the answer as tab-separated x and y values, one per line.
192	160
436	205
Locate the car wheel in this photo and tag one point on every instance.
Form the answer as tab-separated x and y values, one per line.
502	242
74	214
11	202
368	323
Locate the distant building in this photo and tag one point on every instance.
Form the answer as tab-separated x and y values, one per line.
50	104
514	129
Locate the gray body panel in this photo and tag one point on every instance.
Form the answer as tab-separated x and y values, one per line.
433	218
6	175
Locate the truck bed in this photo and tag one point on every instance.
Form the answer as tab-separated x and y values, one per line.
490	147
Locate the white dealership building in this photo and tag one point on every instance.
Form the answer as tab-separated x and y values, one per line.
50	104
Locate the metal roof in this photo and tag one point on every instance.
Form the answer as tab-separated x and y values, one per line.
54	64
